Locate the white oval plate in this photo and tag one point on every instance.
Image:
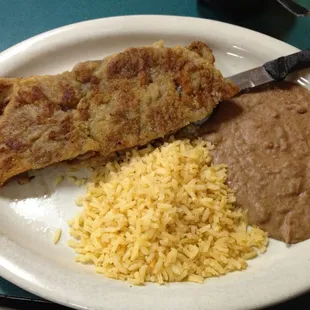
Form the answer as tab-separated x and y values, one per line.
30	214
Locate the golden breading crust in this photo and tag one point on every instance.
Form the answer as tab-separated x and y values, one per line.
125	100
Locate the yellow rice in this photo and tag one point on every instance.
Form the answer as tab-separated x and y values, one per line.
163	215
57	236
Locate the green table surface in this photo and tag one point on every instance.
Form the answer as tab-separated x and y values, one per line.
21	19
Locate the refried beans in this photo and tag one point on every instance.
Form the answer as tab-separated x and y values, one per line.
264	138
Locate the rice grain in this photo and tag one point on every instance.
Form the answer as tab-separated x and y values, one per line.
163	215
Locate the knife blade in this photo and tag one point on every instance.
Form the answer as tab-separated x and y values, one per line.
294	8
271	71
251	78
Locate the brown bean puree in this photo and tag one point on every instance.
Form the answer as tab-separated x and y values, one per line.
264	137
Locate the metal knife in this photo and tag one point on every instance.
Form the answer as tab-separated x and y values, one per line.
271	71
294	8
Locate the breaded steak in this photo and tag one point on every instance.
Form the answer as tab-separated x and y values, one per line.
100	107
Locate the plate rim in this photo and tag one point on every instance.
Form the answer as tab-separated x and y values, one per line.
6	54
67	27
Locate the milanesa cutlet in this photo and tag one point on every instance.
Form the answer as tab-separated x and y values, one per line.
105	106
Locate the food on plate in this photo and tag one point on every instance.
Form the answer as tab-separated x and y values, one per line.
161	215
101	107
57	236
264	138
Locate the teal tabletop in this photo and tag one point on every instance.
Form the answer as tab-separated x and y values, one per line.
21	19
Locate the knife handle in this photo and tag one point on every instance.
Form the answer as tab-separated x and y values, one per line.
279	68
